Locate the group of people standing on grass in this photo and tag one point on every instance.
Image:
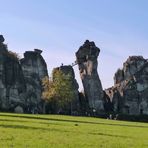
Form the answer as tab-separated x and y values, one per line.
113	117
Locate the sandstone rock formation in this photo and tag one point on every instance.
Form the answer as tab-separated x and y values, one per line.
21	88
87	62
20	80
129	94
12	84
34	69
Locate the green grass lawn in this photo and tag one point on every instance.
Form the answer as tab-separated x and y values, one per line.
47	131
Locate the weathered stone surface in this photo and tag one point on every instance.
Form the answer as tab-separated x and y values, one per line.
87	61
130	92
84	105
20	80
12	84
21	88
130	67
18	109
34	70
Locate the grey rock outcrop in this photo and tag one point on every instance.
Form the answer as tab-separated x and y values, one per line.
34	69
20	80
129	94
87	62
18	109
12	84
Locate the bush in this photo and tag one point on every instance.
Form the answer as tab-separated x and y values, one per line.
14	55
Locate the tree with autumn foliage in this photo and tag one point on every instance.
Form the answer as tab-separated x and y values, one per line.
58	88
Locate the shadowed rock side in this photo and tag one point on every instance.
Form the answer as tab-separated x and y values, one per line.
20	80
129	94
12	84
73	106
34	70
87	62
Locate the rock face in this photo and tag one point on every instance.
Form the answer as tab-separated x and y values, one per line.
87	61
129	94
34	70
12	84
21	83
68	70
20	80
1	39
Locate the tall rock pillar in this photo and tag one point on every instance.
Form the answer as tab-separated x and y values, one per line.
34	70
12	84
87	62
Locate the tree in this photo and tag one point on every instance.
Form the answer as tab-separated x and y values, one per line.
59	88
48	89
14	55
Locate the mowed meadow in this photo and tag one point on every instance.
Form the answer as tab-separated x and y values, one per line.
57	131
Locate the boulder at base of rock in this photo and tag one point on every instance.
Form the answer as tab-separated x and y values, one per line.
18	109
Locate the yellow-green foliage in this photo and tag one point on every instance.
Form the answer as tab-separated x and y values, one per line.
54	131
58	88
13	55
48	86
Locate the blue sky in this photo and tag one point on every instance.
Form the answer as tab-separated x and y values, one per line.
58	27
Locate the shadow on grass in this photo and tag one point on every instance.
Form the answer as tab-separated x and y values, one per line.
74	121
110	135
10	120
31	128
25	121
22	127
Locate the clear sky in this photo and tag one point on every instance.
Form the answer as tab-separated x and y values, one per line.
58	27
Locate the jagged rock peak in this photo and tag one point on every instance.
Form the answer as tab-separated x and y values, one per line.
131	66
88	51
88	43
31	53
135	58
129	95
38	51
2	39
136	61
